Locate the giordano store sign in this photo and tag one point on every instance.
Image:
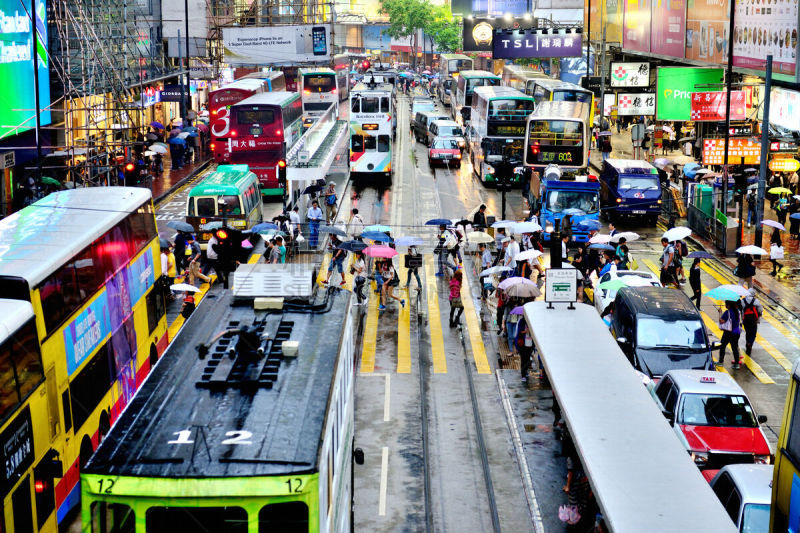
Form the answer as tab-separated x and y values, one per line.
675	85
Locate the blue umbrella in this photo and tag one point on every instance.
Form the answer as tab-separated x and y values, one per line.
795	216
263	226
439	222
376	236
700	255
573	211
720	293
690	170
408	241
176	140
157	125
600	246
189	128
352	246
193	134
588	225
378	227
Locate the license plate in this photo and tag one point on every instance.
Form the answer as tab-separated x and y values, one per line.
206	236
447	156
638	212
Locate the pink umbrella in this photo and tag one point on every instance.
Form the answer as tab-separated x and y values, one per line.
174	131
202	127
510	282
380	251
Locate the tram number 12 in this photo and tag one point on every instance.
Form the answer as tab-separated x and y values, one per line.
104	485
295	485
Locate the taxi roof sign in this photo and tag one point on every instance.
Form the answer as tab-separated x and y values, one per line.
708	379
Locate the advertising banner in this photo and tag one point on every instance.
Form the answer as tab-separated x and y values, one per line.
606	14
674	88
707	30
536	43
277	45
609	102
630	74
714	151
710	106
784	108
172	93
478	31
374	38
636	29
499	8
764	28
630	104
16	68
668	30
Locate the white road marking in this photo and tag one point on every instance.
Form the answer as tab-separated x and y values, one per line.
386	391
384	481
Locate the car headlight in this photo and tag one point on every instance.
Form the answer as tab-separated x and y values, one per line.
458	156
490	169
762	459
699	458
462	144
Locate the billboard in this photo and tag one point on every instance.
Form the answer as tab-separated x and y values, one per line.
668	27
674	88
499	8
761	29
630	74
707	30
17	98
606	14
375	38
709	106
478	31
536	43
277	45
636	26
784	108
635	104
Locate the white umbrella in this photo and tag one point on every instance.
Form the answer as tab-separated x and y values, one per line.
526	227
479	237
795	196
752	250
702	171
157	148
495	270
183	135
503	224
184	287
527	255
676	234
774	224
148	153
600	238
510	282
738	289
629	236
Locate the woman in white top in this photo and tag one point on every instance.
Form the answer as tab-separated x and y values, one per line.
358	269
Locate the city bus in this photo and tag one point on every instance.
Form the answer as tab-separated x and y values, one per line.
219	102
465	86
785	510
550	90
252	436
230	194
558	133
372	128
318	90
522	78
274	79
263	128
497	128
640	474
449	67
85	324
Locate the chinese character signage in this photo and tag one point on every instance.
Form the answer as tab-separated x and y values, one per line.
714	151
16	449
630	104
531	43
710	106
254	144
764	28
674	88
630	74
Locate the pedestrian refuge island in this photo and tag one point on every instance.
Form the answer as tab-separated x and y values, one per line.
641	475
314	153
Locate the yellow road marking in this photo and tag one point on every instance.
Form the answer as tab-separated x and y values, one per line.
323	268
404	328
255	258
370	332
474	329
751	365
176	325
434	319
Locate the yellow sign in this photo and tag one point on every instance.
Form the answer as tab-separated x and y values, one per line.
784	164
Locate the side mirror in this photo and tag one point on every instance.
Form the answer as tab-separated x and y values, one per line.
762	419
715	345
358	456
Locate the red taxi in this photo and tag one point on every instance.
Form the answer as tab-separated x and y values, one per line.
713	418
444	151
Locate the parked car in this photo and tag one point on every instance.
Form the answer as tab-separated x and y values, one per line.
444	150
633	278
447	128
422	120
713	418
660	329
746	493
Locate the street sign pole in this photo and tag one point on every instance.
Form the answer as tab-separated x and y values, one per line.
762	171
725	166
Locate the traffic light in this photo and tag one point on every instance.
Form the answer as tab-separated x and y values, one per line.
282	173
365	64
130	173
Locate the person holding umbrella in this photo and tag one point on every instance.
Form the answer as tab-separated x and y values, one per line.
337	260
412	258
775	251
694	281
729	323
359	269
456	305
752	310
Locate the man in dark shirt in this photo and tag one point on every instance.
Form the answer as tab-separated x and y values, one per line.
479	219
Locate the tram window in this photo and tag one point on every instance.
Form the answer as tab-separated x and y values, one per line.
369	105
20	368
206	207
384	142
385	104
112	518
171	519
355	105
287	517
357	143
369	143
793	441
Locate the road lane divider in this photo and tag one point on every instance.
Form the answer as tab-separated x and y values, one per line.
403	326
370	332
474	329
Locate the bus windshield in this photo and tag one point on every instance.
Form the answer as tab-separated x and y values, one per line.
557	132
320	83
586	201
255	116
568	95
498	149
510	109
717	410
455	65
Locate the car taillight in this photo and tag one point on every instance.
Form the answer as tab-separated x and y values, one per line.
213	146
307	91
233	134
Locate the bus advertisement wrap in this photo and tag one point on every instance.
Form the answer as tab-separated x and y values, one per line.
16	49
277	45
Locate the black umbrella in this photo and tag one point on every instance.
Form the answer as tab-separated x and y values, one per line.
180	225
163	243
463	222
334	230
352	246
312	189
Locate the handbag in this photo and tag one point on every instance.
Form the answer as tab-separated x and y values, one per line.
634	263
456	302
569	514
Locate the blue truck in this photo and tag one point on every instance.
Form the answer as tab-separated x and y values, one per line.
630	188
578	197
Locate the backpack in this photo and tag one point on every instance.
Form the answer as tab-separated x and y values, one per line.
330	200
684	249
450	240
750	314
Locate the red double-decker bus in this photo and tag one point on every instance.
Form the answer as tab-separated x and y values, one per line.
262	128
219	103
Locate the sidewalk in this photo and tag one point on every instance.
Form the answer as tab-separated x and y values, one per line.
169	180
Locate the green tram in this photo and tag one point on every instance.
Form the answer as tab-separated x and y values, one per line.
244	425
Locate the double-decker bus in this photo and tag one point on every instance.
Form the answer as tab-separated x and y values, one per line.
318	90
466	83
274	80
372	128
557	133
786	475
449	67
81	326
551	90
342	65
522	78
263	128
219	102
497	128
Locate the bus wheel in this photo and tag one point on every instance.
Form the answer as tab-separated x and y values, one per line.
104	426
86	451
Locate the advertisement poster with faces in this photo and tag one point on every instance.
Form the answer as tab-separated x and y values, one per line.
636	26
763	27
707	30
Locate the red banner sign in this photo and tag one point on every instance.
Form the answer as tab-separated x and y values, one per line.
714	151
710	106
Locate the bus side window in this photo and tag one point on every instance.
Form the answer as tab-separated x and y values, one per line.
539	94
357	143
793	439
384	142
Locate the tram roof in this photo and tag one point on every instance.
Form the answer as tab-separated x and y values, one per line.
478	74
639	471
286	420
500	91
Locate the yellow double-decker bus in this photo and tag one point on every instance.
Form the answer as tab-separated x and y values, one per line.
81	324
